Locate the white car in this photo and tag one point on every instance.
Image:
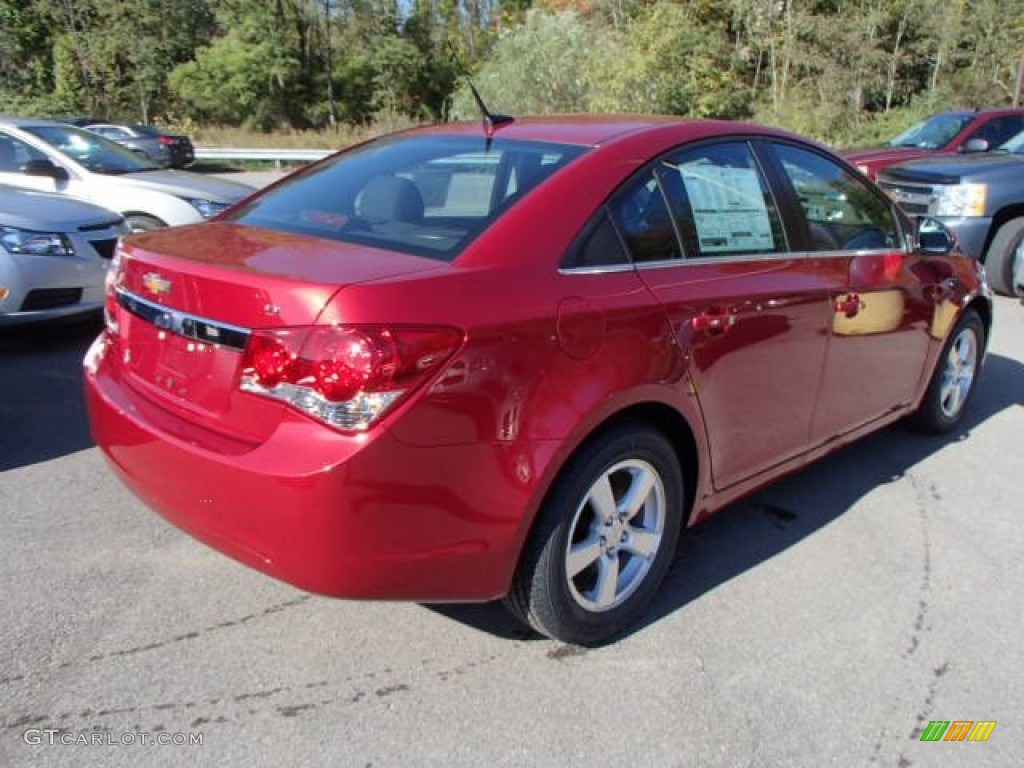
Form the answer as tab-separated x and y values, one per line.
54	253
55	157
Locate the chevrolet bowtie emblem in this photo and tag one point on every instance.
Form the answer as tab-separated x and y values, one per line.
155	284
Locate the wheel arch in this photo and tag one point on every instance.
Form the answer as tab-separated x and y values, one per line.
983	307
1003	215
665	418
674	426
146	214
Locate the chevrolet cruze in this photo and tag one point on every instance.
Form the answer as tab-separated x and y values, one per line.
54	254
514	360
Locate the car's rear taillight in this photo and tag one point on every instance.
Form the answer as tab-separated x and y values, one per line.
110	284
345	376
166	140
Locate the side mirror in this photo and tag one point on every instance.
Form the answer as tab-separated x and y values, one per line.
976	145
933	238
44	167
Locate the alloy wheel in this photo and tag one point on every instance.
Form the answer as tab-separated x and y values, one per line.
958	376
614	535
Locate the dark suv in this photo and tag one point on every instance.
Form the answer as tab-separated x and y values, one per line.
946	133
980	198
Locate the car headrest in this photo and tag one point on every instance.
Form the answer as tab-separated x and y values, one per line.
390	198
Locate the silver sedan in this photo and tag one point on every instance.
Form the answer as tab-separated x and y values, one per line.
54	252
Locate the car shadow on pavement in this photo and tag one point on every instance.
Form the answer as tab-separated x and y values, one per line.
782	514
42	406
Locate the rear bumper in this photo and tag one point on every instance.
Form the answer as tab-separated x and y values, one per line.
342	516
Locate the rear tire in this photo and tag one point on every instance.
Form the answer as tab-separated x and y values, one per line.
1006	248
604	538
954	378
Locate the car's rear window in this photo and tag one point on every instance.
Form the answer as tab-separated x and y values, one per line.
425	195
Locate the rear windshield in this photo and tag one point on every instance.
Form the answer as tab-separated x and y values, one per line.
426	195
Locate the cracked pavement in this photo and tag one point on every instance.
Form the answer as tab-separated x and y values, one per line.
825	620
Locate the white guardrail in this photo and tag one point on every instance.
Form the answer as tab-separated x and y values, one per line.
272	155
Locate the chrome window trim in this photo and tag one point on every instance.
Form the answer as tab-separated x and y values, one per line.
184	323
755	257
776	256
738	259
597	270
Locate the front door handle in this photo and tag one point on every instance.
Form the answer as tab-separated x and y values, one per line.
716	320
849	305
943	290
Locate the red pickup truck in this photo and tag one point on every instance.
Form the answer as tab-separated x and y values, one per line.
947	133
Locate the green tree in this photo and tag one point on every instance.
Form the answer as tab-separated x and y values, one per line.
666	61
111	57
544	65
24	49
252	73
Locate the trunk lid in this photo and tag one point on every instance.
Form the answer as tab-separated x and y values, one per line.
188	297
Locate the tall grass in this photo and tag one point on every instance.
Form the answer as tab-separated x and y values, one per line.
830	126
336	138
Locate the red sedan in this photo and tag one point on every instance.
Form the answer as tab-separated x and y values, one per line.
466	363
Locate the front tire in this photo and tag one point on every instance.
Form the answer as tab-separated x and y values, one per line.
954	378
1003	254
604	538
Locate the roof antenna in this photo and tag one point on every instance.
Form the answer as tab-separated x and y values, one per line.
492	122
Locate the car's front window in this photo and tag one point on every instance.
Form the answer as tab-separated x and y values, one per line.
93	152
842	212
933	133
426	195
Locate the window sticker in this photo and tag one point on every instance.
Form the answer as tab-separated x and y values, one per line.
729	209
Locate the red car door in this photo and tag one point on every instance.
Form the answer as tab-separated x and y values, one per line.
750	317
881	297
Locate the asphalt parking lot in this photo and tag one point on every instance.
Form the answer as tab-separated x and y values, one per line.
825	621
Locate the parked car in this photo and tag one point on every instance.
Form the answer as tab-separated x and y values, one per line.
947	133
463	364
55	157
164	149
980	198
54	254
